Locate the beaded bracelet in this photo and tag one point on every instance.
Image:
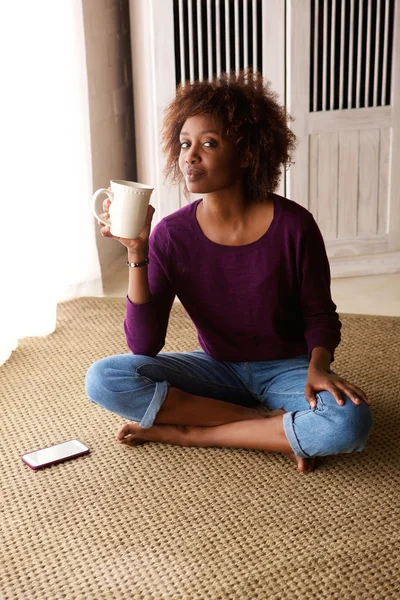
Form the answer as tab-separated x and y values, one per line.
138	264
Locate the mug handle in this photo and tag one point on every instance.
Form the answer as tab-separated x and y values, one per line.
95	196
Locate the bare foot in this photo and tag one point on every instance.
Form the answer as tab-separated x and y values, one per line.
304	465
133	434
130	434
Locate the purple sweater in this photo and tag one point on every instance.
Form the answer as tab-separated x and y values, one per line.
266	300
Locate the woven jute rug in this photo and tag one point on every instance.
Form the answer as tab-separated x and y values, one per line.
162	522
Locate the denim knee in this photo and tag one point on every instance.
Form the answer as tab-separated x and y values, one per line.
329	428
110	376
350	424
115	384
95	380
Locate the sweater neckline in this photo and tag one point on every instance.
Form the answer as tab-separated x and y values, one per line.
260	240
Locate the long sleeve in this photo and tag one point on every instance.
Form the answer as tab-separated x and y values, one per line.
321	321
146	324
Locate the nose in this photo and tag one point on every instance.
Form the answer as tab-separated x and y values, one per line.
192	156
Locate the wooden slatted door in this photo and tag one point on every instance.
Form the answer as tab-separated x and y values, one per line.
343	89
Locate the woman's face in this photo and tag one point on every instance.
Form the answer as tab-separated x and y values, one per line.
208	162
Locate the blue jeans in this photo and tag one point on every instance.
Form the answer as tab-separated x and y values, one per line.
135	386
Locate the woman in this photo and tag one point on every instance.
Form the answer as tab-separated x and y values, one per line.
251	270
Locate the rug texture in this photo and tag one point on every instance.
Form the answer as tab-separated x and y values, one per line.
162	522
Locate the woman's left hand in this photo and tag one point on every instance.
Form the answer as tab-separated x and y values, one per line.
319	380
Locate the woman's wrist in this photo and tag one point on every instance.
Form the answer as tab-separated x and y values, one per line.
321	358
138	255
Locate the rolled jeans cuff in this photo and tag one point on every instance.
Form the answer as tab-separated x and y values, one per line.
291	436
160	394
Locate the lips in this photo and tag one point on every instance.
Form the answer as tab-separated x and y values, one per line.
194	174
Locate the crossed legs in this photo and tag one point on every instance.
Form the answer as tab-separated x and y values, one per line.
188	420
136	388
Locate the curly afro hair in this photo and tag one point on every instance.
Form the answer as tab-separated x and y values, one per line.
251	118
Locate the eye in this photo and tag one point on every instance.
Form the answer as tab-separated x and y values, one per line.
211	144
184	144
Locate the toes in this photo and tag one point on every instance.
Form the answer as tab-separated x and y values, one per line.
302	465
123	432
130	434
130	441
127	429
305	465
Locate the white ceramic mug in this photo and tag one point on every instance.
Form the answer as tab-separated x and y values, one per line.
128	208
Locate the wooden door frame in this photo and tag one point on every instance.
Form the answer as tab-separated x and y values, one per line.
274	57
153	67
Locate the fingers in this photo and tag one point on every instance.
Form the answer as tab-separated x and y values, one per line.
359	393
105	229
106	206
312	400
150	212
336	394
345	389
104	215
352	395
356	395
310	396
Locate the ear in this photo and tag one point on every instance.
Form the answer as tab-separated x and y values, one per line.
245	160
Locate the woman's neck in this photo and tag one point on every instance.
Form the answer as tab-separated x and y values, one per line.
225	208
230	226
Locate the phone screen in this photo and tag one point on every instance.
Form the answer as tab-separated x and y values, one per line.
57	452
